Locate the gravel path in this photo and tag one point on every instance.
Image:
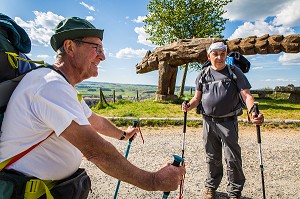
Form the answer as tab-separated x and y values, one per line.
280	152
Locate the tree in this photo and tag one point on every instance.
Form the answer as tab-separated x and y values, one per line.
171	20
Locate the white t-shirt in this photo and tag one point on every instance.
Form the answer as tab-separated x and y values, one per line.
43	102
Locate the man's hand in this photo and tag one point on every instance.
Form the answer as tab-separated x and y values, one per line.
131	132
168	178
185	106
257	119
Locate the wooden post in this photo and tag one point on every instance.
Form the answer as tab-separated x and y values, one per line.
191	91
137	95
114	96
100	97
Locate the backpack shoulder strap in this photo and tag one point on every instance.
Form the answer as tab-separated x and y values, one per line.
234	78
204	72
14	57
12	160
231	73
56	69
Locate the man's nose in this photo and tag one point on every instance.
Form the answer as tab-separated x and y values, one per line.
102	56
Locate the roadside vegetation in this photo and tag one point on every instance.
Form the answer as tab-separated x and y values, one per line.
274	107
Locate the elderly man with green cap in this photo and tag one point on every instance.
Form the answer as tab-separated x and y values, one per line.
46	112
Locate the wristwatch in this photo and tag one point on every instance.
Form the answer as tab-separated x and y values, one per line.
123	136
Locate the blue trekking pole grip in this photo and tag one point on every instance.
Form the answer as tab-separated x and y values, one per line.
135	123
176	162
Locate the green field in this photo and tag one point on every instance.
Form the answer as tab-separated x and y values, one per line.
274	106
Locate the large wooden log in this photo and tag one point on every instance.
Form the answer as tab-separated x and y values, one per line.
194	50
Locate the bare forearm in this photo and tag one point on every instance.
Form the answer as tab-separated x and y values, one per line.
193	103
249	102
106	157
104	126
248	98
114	164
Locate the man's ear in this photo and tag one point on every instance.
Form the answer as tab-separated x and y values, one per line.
69	47
208	56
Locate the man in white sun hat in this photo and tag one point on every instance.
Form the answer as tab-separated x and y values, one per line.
218	96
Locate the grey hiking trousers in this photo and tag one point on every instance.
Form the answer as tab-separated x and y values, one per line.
218	135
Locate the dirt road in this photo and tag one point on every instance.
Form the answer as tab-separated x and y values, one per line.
280	152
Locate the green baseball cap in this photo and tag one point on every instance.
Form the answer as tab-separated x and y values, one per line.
72	28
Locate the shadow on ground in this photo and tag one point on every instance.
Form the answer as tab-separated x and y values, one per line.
222	195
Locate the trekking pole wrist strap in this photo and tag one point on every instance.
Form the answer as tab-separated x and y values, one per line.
251	109
123	136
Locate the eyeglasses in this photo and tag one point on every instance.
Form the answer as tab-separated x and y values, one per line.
216	54
98	47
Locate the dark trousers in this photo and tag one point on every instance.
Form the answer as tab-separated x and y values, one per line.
218	135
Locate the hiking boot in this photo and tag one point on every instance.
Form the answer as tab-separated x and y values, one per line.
209	193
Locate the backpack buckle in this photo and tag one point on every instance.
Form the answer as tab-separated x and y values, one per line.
32	186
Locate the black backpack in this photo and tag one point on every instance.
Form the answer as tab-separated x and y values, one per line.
240	61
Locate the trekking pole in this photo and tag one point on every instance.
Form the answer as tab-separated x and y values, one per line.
184	130
176	162
256	110
135	123
183	148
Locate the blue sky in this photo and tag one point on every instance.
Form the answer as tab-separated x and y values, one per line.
125	40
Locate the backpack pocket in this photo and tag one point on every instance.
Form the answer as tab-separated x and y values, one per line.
12	185
76	186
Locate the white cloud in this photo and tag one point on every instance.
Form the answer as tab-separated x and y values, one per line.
264	17
253	10
101	69
47	20
91	8
280	80
130	53
289	15
257	68
142	37
139	19
90	18
41	29
259	28
289	59
43	56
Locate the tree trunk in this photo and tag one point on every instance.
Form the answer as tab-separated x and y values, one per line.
181	93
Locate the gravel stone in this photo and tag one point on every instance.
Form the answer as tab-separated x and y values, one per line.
280	153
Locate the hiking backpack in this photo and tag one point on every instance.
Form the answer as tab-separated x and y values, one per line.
234	59
14	64
238	60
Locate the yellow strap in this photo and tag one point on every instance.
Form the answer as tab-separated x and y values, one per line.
79	97
4	163
35	188
14	57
